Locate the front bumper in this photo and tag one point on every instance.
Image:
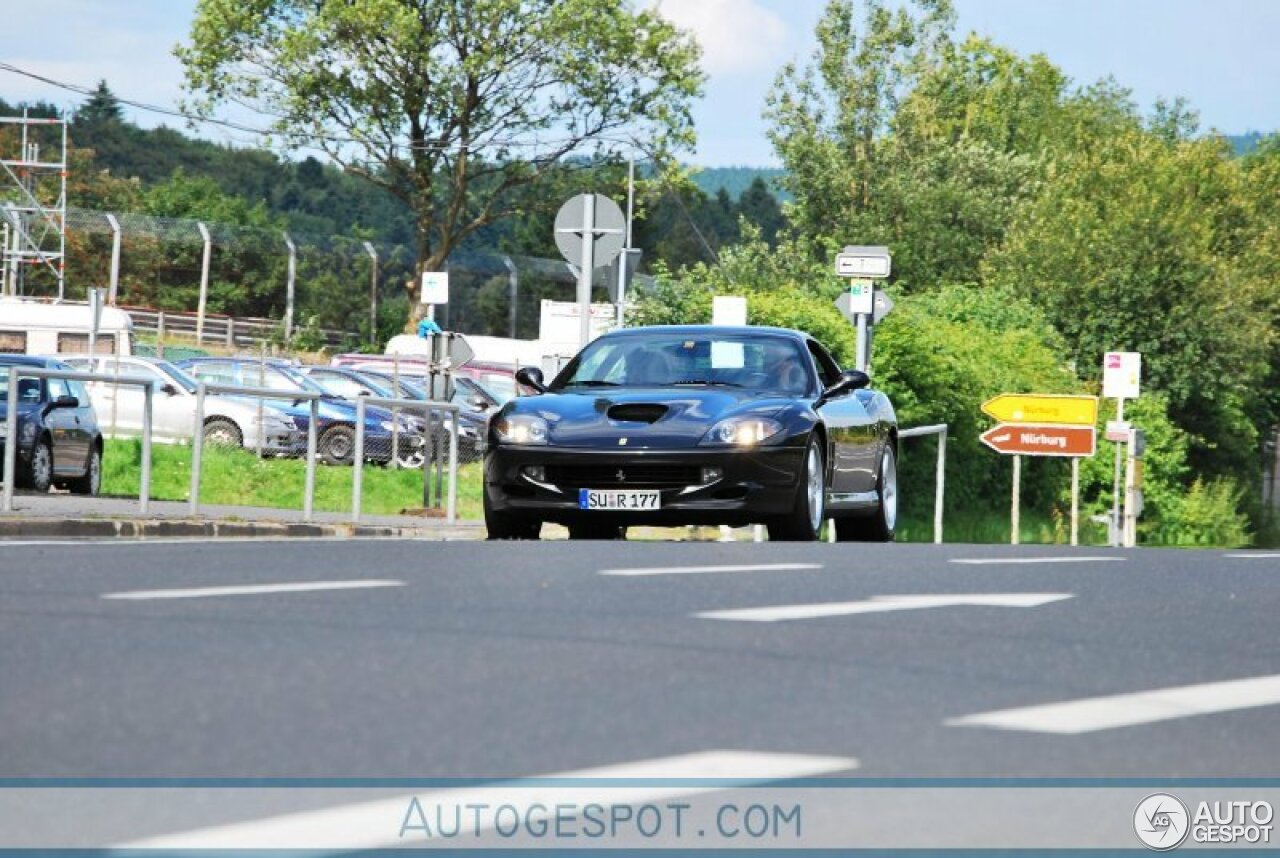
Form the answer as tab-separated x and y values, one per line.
754	484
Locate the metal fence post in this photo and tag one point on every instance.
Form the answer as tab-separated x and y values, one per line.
11	440
114	286
373	292
144	490
289	287
939	483
197	443
451	509
204	281
309	492
357	462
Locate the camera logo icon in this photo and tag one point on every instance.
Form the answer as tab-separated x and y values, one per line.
1161	822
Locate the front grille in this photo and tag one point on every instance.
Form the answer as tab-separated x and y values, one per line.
633	475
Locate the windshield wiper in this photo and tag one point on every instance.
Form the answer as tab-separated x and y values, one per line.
707	381
593	382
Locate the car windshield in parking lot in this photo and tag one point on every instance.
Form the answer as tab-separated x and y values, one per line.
760	363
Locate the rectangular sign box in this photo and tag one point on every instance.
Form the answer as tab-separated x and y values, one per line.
617	500
1030	439
1043	408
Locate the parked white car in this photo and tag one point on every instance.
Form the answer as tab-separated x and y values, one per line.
229	420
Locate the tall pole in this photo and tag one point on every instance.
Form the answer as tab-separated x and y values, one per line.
513	286
1075	501
1015	506
626	251
1117	538
588	266
373	292
114	286
204	282
289	287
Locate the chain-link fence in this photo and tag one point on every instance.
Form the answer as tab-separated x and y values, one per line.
323	290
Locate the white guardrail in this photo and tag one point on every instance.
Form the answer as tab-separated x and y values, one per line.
429	409
18	372
940	480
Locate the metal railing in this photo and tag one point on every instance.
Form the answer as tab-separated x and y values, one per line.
430	409
18	372
229	331
940	481
197	444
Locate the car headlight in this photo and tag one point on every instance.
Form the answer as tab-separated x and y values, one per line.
522	429
742	431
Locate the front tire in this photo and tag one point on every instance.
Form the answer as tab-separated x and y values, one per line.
91	483
338	445
509	525
38	475
804	521
222	433
882	526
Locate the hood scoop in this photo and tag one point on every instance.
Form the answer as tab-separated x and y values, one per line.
637	412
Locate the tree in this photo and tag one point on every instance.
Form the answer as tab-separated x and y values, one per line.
455	108
101	108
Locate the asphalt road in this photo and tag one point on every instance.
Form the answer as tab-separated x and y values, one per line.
428	659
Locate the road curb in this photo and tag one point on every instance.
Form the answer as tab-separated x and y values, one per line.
142	528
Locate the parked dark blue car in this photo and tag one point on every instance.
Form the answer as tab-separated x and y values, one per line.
335	431
58	438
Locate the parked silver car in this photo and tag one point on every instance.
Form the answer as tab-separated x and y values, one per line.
228	420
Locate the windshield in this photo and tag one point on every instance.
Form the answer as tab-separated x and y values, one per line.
184	381
765	364
300	380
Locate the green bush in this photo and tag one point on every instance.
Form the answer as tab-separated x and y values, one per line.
1207	515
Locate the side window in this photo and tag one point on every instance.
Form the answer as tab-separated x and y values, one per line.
78	391
828	369
215	372
104	344
58	387
273	378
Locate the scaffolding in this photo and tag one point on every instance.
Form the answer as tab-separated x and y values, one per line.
33	203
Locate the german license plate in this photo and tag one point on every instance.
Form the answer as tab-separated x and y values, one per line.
613	499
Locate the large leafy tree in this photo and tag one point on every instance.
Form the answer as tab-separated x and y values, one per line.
456	107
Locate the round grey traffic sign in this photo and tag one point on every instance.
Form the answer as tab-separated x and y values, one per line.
608	229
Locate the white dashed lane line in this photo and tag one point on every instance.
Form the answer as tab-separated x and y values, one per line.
884	604
251	590
1088	715
1253	555
700	570
1011	561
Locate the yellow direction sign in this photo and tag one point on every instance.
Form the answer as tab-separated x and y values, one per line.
1043	408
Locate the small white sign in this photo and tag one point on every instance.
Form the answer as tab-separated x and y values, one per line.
435	287
1121	375
728	310
862	294
1118	431
727	355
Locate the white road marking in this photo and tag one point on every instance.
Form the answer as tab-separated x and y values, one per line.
1253	555
1124	710
134	541
377	823
698	570
883	604
252	590
997	561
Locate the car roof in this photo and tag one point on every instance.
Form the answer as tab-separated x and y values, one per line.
708	330
31	360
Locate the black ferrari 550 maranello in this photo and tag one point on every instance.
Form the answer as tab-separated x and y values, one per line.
695	425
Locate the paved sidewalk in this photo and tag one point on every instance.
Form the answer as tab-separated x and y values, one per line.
69	516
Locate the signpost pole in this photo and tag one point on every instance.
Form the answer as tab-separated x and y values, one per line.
1015	509
1075	501
588	267
1130	531
863	351
1116	521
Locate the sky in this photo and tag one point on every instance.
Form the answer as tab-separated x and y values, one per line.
1219	54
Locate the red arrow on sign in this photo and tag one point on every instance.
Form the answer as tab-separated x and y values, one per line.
1034	439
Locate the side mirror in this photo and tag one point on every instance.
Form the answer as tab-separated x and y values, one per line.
531	376
64	402
849	381
170	389
479	403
